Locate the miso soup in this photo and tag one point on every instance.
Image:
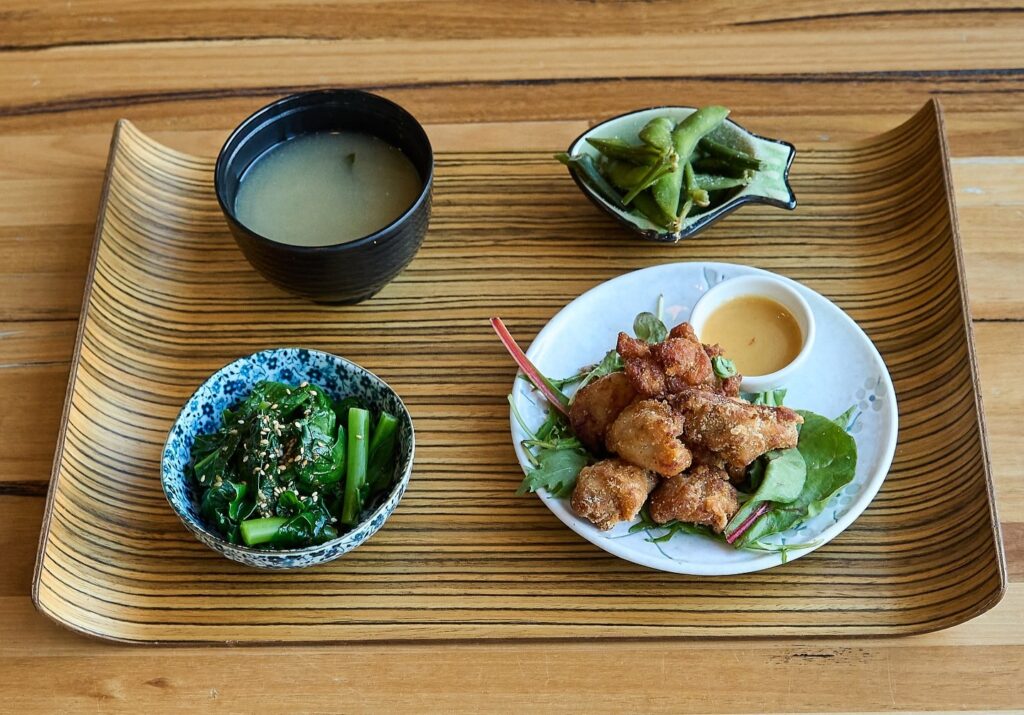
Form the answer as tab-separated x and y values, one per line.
323	189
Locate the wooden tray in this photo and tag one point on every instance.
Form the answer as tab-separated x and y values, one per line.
170	299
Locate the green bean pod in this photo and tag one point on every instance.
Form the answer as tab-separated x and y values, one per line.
708	182
618	149
694	194
692	129
649	208
657	133
734	156
720	167
684	140
624	175
668	163
584	167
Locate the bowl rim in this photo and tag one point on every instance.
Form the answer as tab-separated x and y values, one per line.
705	219
256	120
271	553
713	297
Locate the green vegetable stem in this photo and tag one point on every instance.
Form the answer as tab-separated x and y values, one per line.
261	531
358	449
381	458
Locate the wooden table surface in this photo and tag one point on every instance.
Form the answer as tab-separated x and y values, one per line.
493	75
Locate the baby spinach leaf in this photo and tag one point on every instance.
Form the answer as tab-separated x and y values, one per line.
723	366
830	456
312	526
771	398
784	475
223	506
556	471
846	419
649	327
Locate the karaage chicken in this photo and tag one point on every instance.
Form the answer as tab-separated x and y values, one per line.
735	429
646	433
611	491
700	496
596	406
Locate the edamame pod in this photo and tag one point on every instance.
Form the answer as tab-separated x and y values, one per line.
584	167
618	149
646	205
657	133
707	182
730	154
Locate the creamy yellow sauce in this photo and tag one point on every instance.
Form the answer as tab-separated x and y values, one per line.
759	335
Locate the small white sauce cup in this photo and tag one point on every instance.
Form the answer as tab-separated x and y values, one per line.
764	286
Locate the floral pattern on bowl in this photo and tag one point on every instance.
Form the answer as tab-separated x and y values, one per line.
229	385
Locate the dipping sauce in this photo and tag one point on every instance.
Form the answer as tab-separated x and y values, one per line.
757	333
322	189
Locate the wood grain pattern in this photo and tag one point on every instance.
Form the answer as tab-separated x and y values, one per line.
170	299
46	233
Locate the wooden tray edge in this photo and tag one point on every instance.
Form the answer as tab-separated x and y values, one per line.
933	108
58	454
997	532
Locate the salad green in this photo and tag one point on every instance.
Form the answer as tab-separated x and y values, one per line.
781	488
288	465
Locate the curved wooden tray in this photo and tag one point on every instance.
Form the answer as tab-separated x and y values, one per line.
170	299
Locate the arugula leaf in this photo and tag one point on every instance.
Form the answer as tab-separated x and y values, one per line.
611	362
556	471
649	327
723	366
670	528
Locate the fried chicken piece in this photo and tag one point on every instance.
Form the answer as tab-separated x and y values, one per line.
596	406
681	361
707	458
647	434
728	386
701	496
642	369
735	429
611	491
684	331
684	362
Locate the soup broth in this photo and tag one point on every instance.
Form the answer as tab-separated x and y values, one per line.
758	334
323	189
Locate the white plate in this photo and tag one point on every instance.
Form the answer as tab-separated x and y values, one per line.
843	369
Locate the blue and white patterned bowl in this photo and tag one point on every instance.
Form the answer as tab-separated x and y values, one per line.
232	383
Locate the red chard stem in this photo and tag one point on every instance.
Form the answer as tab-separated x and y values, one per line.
553	396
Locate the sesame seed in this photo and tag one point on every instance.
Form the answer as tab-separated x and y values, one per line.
241	422
264	442
274	406
303	384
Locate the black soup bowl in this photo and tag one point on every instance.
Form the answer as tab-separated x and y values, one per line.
347	272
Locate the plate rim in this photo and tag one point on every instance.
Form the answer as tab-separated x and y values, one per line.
763	561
